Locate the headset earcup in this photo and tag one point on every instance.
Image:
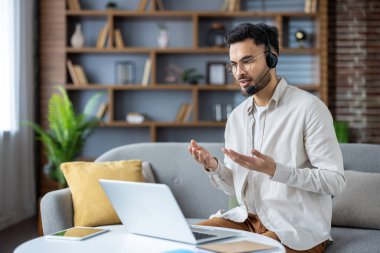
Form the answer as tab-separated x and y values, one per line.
271	60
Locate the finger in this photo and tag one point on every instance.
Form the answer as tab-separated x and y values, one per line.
204	156
232	154
257	153
194	144
245	161
196	157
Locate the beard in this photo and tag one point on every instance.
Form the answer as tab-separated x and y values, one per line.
259	83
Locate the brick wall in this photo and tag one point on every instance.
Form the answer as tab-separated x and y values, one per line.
354	67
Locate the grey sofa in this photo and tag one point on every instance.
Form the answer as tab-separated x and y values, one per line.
172	165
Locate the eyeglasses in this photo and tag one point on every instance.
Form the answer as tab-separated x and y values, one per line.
244	64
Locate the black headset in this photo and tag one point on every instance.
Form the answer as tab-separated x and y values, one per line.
271	58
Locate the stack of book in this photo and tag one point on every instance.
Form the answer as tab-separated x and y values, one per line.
230	5
77	74
104	37
184	112
73	5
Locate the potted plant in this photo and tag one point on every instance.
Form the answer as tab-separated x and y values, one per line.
191	76
111	5
66	133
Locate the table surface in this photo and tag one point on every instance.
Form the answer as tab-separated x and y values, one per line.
119	240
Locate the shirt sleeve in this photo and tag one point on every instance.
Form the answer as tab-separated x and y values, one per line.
326	175
222	177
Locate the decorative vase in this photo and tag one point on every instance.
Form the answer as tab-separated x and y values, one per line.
163	38
77	40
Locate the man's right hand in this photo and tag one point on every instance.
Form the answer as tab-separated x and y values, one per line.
202	156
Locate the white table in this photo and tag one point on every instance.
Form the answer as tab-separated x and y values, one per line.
119	240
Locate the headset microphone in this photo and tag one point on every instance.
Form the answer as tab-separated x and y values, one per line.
253	89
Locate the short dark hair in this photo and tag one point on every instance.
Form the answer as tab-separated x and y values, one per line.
260	33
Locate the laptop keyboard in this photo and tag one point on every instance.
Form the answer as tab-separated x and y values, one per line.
199	236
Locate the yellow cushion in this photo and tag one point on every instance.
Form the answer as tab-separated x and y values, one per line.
90	203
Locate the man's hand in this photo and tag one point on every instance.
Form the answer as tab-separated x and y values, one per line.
202	156
258	161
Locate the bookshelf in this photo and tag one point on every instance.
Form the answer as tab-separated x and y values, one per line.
188	23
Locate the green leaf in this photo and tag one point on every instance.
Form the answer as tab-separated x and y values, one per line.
67	131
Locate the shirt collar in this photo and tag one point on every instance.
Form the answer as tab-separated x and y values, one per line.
277	94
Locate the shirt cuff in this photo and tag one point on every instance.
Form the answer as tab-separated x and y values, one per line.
282	173
213	172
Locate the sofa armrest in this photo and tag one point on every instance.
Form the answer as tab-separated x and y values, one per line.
56	211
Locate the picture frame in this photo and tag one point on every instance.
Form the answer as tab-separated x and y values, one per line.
216	73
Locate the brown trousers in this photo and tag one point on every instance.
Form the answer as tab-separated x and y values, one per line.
254	225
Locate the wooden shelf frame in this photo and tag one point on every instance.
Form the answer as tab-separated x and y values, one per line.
185	14
196	18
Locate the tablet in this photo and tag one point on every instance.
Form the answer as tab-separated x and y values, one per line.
77	233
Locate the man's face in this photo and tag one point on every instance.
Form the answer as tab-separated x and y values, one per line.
249	65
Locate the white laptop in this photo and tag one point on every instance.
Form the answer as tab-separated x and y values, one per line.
151	210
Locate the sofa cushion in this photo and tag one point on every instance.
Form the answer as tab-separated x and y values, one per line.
359	204
353	240
90	203
147	173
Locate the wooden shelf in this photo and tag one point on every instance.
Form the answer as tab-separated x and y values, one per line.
137	50
200	50
194	93
164	124
182	14
299	50
94	86
94	50
203	87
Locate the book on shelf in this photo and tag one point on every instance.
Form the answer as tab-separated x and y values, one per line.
103	34
187	114
72	72
73	5
142	5
81	74
77	74
184	112
311	6
146	74
233	5
160	5
119	39
224	5
102	110
314	5
180	113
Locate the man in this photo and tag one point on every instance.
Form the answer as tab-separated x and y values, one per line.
282	159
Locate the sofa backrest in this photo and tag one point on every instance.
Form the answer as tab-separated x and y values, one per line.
173	165
361	157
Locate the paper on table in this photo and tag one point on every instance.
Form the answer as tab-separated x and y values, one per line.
235	247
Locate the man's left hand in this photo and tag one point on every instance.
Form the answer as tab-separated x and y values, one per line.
258	161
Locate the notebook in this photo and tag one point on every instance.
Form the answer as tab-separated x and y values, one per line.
152	210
